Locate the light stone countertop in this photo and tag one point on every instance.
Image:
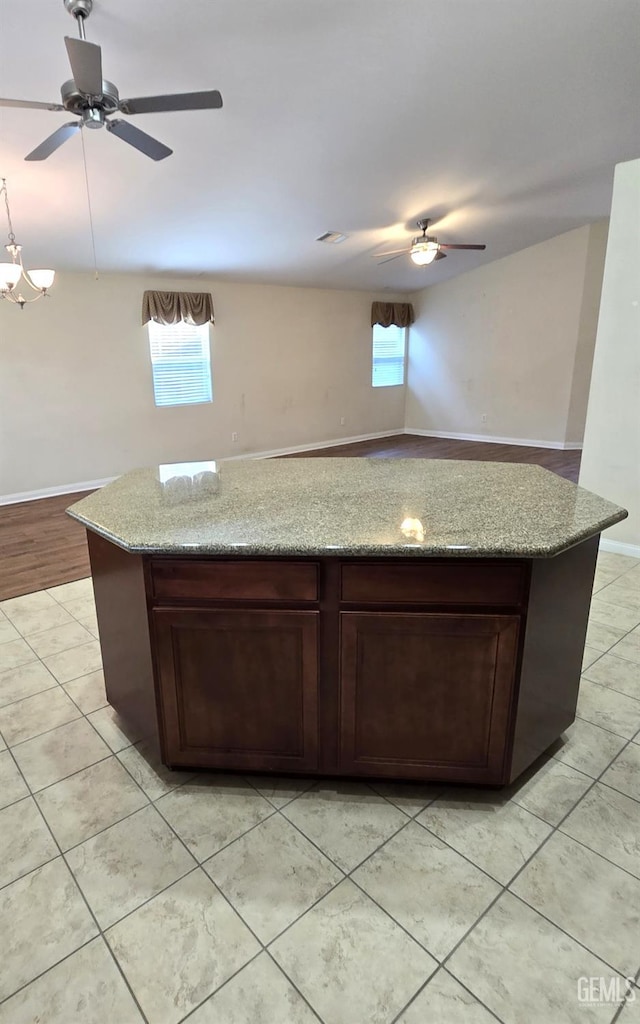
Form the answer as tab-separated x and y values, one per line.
316	506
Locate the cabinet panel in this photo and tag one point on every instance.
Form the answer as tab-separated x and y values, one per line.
445	583
239	688
234	581
426	695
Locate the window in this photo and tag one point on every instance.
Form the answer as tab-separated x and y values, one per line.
181	363
388	356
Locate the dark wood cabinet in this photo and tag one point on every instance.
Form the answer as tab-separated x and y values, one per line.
239	688
458	669
426	694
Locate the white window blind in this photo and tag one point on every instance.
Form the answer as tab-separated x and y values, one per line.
388	356
181	363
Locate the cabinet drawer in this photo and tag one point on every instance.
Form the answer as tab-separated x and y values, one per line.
444	583
234	581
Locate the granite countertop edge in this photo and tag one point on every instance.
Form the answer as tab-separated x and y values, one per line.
400	550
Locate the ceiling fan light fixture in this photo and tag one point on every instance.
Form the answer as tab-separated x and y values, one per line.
423	253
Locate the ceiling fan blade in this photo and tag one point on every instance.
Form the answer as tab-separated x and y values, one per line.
444	245
86	65
441	256
211	100
54	141
389	258
392	252
139	140
31	104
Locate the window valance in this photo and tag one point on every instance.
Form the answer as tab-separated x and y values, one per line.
194	308
387	313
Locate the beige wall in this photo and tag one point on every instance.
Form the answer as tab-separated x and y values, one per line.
611	456
505	350
76	399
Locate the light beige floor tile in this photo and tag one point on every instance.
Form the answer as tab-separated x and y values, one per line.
36	615
626	597
624	773
54	755
24	681
493	833
89	801
628	648
86	988
271	875
602	579
259	994
610	561
608	614
15	653
211	811
617	674
427	887
551	790
82	608
142	761
603	637
79	590
12	785
113	729
410	797
8	632
631	1010
47	919
180	947
589	748
88	692
60	638
34	715
609	823
278	789
608	709
351	961
588	897
127	864
25	841
77	661
348	821
589	655
526	970
3	745
445	1001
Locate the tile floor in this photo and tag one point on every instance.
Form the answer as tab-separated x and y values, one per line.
129	893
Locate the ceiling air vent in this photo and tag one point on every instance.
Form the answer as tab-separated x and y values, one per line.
332	237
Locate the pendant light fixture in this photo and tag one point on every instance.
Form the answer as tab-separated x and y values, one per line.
12	273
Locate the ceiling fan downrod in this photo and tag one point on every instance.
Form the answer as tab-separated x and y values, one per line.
80	10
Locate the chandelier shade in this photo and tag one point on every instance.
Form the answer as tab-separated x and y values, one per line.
11	274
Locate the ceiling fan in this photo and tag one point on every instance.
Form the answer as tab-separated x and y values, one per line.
93	99
424	249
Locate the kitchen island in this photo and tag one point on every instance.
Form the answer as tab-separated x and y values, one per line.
391	618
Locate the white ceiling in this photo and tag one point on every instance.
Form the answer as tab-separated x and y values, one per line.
502	119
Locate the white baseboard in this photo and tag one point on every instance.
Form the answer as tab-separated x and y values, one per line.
619	547
294	449
492	439
92	485
51	492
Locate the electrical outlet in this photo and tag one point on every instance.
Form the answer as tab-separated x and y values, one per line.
342	421
483	418
234	436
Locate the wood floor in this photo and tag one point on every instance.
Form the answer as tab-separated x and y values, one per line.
41	547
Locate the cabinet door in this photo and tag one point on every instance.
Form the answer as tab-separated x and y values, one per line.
426	696
238	688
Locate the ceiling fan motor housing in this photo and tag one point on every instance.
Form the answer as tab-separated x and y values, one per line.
76	102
